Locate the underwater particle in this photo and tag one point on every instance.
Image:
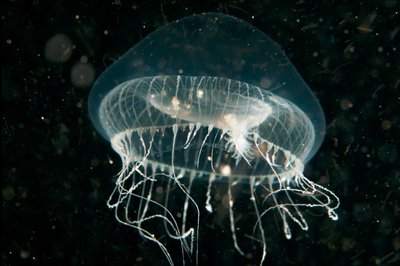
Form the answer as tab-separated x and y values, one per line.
58	49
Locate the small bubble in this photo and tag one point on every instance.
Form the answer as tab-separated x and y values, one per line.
84	59
58	49
159	190
346	104
82	74
265	83
386	124
24	254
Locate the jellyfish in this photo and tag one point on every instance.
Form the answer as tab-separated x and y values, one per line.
206	101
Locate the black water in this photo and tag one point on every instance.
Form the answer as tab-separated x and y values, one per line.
57	172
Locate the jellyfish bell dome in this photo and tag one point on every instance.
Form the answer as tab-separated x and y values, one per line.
212	45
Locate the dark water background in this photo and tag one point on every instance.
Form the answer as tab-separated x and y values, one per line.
57	172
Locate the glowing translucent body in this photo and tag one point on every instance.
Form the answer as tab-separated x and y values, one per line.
209	98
